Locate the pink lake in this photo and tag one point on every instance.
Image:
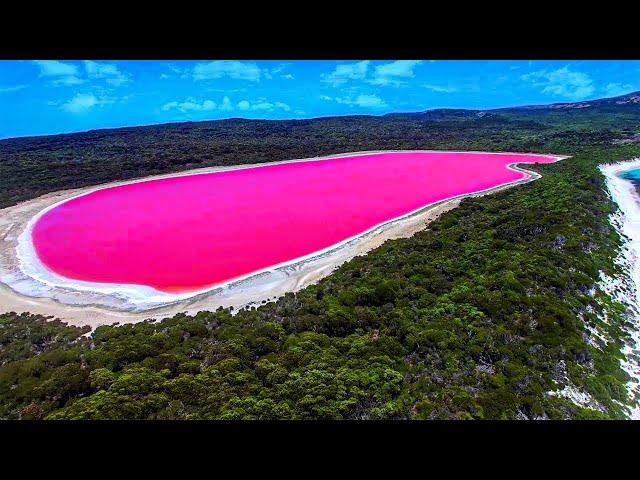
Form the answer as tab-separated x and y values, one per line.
190	233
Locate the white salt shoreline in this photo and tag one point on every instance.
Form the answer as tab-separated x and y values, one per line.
625	288
36	281
143	297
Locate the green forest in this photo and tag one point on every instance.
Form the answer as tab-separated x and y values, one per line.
477	317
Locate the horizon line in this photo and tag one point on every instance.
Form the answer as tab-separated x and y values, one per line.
399	112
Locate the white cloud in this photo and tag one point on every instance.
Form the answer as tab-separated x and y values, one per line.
347	71
68	81
80	103
107	72
226	90
55	68
439	88
190	105
63	74
83	102
175	71
370	101
364	101
227	68
170	105
563	82
617	89
13	88
391	73
67	74
279	70
226	104
262	105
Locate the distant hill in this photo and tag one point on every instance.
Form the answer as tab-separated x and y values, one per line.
31	166
630	102
624	104
629	98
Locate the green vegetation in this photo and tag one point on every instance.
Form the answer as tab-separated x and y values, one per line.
475	318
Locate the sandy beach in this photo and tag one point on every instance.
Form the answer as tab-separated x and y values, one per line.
21	293
625	288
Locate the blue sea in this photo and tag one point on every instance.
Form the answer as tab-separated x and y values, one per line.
633	175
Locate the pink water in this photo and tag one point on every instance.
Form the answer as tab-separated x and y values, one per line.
193	232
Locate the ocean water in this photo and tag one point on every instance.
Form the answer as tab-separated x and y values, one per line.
633	175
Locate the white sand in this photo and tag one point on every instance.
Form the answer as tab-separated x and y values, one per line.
28	286
625	288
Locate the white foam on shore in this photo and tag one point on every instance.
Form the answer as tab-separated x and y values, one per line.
37	280
625	288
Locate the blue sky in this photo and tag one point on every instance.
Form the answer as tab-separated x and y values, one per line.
58	96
